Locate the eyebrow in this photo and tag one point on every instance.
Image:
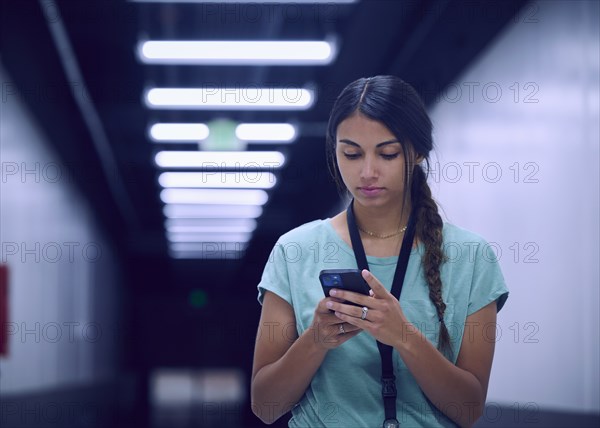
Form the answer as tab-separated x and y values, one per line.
385	143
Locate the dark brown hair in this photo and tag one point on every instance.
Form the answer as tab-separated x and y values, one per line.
395	103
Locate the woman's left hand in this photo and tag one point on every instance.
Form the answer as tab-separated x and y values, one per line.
384	318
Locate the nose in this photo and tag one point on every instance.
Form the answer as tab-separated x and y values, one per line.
368	168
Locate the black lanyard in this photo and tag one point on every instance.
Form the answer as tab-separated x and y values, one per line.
388	380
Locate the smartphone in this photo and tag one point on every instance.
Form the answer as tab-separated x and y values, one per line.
344	279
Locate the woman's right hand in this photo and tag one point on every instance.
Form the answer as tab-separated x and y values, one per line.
329	331
285	363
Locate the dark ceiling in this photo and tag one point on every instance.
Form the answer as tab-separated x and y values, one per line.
427	43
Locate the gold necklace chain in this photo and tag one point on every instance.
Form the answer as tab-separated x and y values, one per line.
375	235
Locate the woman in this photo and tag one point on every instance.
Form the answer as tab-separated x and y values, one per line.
318	356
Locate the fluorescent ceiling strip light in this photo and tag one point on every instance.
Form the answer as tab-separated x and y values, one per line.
250	132
214	196
179	132
207	250
243	223
207	246
193	211
213	98
207	255
220	52
208	237
218	179
205	229
266	132
210	225
254	2
214	160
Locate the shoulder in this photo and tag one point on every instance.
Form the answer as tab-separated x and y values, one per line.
475	261
455	234
466	248
304	233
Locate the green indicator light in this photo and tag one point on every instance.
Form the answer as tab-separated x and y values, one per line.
222	137
198	298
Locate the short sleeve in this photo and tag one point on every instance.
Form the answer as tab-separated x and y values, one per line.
488	283
275	276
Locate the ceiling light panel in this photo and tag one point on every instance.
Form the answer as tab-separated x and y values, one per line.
220	252
208	237
206	255
207	250
281	132
207	246
179	132
324	2
210	225
218	179
212	211
231	98
250	132
237	52
248	223
213	160
214	196
208	229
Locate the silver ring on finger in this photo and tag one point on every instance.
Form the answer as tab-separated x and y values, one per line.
365	310
342	331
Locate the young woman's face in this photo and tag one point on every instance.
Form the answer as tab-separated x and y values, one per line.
371	161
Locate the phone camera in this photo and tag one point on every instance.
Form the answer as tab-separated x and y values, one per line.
332	280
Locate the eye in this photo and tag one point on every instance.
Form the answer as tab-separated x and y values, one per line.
352	155
390	156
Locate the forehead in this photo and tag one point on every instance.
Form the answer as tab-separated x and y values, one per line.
363	130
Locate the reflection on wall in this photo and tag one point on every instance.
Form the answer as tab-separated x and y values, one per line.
517	162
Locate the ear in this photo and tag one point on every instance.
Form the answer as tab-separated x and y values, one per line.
419	159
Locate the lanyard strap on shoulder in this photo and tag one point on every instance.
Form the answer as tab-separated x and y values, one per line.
388	379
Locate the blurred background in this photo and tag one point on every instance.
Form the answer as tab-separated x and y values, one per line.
144	182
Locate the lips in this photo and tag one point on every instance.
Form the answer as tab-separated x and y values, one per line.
370	190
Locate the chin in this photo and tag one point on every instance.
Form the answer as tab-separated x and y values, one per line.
378	201
385	200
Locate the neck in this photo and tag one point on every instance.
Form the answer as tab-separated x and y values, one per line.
381	220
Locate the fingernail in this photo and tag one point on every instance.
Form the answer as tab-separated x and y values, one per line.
333	292
329	304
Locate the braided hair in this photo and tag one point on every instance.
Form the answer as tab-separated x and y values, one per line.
396	104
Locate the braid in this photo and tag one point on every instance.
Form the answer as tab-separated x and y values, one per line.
429	231
396	104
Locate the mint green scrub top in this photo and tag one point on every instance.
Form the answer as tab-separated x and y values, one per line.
345	391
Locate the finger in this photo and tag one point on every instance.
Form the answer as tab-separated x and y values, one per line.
343	338
357	322
352	310
348	328
349	335
377	287
343	327
351	296
322	305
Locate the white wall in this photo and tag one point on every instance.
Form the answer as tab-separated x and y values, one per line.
62	305
548	350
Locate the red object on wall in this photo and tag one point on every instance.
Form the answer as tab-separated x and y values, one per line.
3	309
